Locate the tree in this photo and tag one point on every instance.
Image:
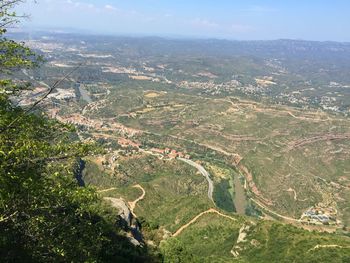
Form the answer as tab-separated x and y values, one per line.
176	252
44	215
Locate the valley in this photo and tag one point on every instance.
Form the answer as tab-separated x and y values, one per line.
218	155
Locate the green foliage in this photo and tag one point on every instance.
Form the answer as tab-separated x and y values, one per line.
275	242
210	239
7	16
44	215
264	242
252	210
13	55
174	192
176	252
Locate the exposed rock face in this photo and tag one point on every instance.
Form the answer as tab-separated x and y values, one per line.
243	232
127	220
124	211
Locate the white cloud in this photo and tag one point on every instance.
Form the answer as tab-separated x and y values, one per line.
111	8
81	5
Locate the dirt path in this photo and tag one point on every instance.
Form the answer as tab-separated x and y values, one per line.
132	204
211	210
328	246
106	190
295	193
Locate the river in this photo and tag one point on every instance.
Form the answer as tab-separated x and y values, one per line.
240	199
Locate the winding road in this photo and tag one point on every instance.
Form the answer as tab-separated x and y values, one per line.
204	172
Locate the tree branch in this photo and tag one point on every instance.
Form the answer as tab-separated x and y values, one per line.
8	217
11	21
9	3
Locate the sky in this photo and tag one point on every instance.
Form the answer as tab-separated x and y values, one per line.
225	19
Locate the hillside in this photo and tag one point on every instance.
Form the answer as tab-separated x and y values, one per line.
177	215
218	152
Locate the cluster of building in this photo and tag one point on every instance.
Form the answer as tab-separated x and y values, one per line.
208	85
318	215
163	153
328	103
125	143
79	119
119	70
63	94
169	153
31	96
47	47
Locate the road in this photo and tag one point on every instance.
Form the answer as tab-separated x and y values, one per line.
286	218
204	172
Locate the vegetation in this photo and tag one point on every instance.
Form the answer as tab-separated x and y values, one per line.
263	134
44	215
265	242
52	186
174	192
175	195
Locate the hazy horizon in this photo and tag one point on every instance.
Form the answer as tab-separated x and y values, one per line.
240	20
82	32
